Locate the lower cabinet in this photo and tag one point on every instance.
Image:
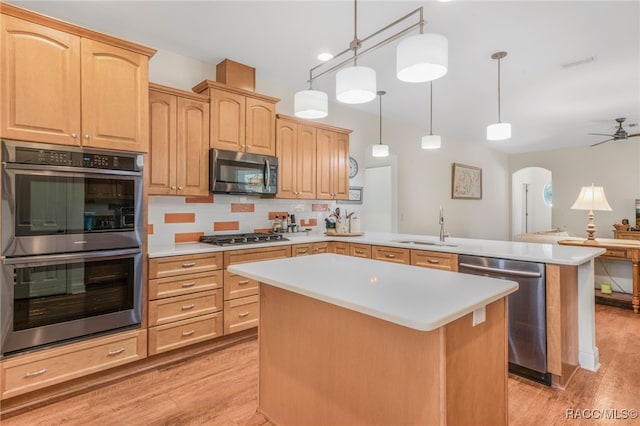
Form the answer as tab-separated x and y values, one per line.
391	254
309	248
360	250
185	300
340	247
52	366
241	295
435	260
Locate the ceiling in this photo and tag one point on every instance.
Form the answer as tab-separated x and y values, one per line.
552	96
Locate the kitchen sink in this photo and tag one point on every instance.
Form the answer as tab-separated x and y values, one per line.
425	243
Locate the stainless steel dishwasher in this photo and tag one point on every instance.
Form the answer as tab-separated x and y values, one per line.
527	311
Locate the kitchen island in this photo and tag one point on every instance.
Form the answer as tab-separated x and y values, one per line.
346	340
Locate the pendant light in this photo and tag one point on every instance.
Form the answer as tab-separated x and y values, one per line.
498	131
356	84
311	104
431	141
380	150
422	57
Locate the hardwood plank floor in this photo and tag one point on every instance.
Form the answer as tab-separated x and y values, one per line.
221	388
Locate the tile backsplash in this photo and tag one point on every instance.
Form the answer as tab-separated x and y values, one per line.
184	219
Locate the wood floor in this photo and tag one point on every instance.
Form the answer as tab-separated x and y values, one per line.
222	389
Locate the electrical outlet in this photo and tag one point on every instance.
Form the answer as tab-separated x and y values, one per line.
479	315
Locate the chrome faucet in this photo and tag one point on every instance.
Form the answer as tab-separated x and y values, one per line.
441	222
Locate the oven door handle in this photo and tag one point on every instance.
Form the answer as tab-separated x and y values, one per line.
42	167
51	259
266	173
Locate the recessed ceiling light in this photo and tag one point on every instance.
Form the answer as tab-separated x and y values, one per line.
325	56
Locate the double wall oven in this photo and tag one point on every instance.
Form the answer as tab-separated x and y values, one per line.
71	243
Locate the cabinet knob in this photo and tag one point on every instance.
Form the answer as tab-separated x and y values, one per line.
87	136
181	188
74	135
173	187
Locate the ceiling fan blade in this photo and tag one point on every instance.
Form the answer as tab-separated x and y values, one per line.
596	144
633	135
600	134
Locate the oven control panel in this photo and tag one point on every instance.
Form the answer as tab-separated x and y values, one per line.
92	160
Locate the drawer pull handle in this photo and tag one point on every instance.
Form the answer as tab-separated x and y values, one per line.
36	373
303	251
188	265
187	307
243	314
391	256
433	261
115	352
243	282
188	333
191	284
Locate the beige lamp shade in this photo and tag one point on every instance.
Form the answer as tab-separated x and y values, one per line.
591	198
431	142
356	85
311	104
422	57
380	150
498	131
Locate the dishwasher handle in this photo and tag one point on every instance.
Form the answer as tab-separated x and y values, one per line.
501	271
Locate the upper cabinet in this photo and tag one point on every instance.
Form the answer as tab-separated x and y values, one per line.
179	142
68	85
333	165
296	152
241	120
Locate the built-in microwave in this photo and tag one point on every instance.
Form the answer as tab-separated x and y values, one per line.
234	172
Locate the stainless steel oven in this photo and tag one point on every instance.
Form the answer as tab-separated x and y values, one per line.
71	243
64	199
47	299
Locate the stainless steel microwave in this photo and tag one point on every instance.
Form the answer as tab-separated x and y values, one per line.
233	172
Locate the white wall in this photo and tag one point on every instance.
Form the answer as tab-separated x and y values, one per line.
423	177
529	212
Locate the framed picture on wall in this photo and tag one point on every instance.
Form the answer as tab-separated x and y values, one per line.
355	196
466	182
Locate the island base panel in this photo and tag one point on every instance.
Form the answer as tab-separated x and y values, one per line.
322	364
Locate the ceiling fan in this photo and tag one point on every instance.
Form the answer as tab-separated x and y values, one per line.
620	133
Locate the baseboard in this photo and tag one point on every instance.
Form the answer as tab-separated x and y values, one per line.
619	300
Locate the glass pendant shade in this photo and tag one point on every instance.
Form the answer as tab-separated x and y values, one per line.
380	150
422	57
498	131
356	85
311	104
431	142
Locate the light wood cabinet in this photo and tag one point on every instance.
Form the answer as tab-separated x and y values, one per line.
626	235
340	247
40	369
241	295
435	260
241	120
72	86
332	165
185	300
309	248
360	250
296	152
391	254
179	142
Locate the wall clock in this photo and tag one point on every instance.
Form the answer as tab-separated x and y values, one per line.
353	167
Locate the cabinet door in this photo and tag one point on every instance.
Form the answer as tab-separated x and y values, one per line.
115	98
306	162
227	121
340	173
260	130
162	149
192	160
287	159
324	188
40	80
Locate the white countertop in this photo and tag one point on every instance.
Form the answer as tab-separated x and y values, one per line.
419	298
515	250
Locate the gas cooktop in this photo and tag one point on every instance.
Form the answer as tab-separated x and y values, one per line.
236	239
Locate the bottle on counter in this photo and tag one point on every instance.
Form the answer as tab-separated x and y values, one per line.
277	224
285	223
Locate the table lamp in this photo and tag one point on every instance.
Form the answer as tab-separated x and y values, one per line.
591	198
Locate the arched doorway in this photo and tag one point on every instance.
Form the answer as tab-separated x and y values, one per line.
531	200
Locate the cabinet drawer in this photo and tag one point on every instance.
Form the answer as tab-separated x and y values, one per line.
242	256
177	308
177	265
50	366
390	254
616	253
175	286
301	249
338	247
319	248
435	260
240	314
175	335
238	286
360	250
